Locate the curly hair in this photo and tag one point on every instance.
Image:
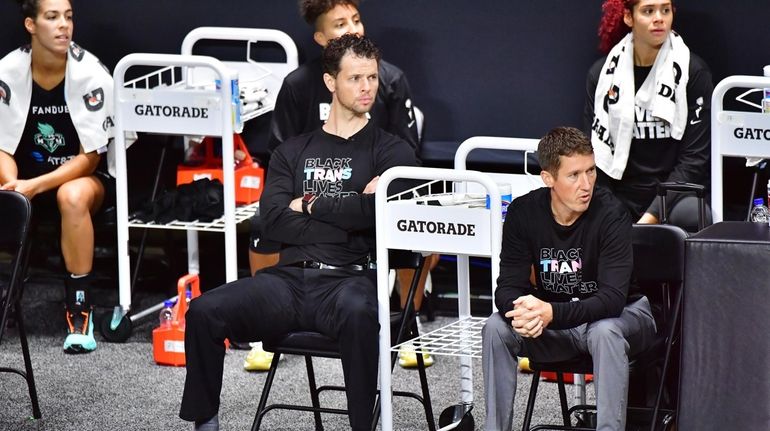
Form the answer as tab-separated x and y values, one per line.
561	141
310	10
360	46
611	27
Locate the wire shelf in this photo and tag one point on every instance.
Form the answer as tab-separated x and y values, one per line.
242	213
460	338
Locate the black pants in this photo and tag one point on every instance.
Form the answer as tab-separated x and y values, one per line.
340	304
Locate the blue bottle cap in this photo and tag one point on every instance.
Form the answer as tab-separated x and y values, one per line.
168	303
758	202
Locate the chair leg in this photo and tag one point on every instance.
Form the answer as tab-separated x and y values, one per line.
426	403
30	377
313	392
667	358
563	399
531	401
265	392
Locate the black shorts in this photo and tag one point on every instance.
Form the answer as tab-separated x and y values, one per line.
44	206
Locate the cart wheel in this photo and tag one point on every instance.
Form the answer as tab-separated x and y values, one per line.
118	335
454	413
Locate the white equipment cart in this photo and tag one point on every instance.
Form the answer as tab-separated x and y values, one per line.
460	225
735	133
181	98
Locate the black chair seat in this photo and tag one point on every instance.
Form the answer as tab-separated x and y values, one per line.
302	342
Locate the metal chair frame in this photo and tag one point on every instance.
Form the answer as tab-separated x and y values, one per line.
329	350
17	213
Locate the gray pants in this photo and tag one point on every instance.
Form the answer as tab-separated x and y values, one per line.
609	342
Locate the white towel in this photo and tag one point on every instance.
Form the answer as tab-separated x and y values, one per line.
663	93
88	91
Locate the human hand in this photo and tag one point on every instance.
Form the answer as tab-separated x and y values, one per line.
648	218
296	205
530	316
26	187
372	186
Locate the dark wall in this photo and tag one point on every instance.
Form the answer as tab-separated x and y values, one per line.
494	67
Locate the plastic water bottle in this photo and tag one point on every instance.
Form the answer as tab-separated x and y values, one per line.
187	298
759	213
766	92
166	314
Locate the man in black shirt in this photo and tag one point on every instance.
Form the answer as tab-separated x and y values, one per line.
319	203
578	240
303	105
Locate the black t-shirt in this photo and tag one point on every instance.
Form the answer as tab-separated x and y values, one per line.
654	155
303	104
340	229
49	139
583	270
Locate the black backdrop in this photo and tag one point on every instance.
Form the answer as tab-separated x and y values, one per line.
491	67
495	67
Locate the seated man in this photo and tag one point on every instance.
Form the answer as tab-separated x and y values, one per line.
578	240
303	105
319	203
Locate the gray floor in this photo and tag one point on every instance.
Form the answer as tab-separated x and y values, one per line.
120	387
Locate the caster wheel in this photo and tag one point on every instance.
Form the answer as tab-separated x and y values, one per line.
459	412
118	335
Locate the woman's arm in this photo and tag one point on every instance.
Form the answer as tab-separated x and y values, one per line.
8	169
81	165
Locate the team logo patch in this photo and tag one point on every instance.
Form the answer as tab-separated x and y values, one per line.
48	138
76	51
94	100
5	93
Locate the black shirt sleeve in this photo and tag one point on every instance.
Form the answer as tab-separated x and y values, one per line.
515	259
401	119
694	157
592	79
284	122
283	224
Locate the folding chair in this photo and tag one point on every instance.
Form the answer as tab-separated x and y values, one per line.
14	227
659	270
309	344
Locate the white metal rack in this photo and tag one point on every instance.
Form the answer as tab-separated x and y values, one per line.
735	133
183	100
482	237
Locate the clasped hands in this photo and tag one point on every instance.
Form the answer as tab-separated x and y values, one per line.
530	316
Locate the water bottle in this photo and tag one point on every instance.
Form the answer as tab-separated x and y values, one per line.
187	298
766	93
759	212
166	314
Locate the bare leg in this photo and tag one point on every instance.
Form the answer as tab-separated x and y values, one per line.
405	280
78	200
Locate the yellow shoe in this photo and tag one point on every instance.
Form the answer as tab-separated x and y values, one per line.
407	358
258	359
524	365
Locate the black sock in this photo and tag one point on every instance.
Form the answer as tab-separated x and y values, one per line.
78	291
